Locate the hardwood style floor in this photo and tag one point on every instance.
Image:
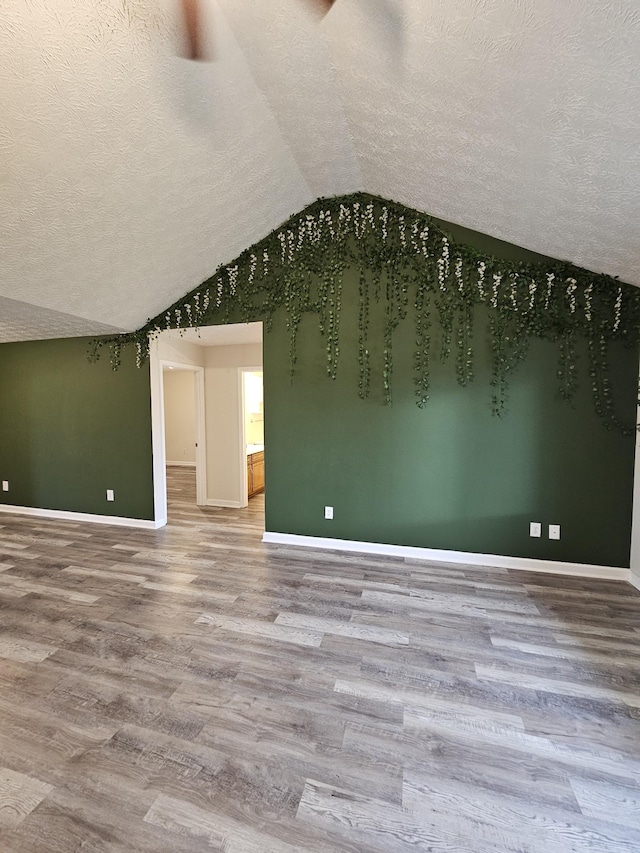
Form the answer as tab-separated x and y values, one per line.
191	689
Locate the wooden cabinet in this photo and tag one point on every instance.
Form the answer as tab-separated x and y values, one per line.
255	473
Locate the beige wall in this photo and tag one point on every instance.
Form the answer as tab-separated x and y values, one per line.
224	450
180	351
226	453
238	355
179	417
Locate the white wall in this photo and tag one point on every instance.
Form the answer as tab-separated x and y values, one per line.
253	407
226	453
179	417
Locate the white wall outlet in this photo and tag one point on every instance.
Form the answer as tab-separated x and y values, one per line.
328	512
110	496
554	531
535	529
5	485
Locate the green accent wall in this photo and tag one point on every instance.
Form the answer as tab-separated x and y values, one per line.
449	476
70	430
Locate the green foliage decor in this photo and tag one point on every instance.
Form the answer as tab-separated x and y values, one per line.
405	260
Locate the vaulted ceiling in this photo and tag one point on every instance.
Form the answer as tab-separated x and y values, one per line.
129	173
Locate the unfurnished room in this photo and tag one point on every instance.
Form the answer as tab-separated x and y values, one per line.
319	370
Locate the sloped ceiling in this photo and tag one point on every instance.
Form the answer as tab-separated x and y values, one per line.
128	173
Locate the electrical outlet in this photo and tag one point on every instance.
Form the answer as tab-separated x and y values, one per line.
5	485
328	512
535	529
110	495
554	531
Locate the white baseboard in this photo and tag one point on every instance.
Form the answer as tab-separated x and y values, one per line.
463	558
634	580
180	464
64	515
227	504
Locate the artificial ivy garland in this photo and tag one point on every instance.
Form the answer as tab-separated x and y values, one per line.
404	257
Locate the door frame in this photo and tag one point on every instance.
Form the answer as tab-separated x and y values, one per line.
243	424
156	370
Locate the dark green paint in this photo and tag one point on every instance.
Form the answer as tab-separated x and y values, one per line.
69	430
449	476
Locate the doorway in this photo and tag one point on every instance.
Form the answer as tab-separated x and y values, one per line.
253	419
182	424
184	432
220	359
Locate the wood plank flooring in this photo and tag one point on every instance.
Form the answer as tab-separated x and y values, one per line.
191	689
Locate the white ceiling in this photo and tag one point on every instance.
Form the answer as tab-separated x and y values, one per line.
128	174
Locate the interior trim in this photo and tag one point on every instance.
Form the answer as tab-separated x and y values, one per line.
464	558
65	515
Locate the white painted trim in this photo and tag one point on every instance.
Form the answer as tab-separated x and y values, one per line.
199	403
242	429
635	516
229	504
156	367
181	464
201	438
66	515
634	580
463	558
157	434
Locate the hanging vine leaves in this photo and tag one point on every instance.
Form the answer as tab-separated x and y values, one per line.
364	379
404	257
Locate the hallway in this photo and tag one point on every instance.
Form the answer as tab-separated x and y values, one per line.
183	510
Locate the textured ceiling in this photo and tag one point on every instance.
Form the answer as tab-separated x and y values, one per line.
128	174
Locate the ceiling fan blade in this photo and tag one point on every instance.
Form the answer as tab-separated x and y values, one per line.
321	6
191	12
